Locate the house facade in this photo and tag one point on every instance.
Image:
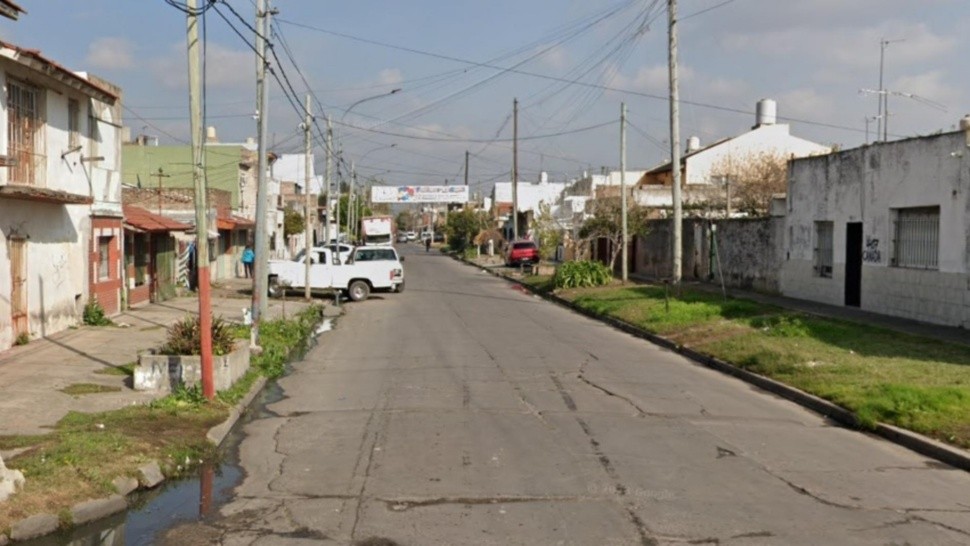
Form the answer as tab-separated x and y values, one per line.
60	202
884	227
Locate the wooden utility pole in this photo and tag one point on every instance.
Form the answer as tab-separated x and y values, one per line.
623	219
308	247
261	246
351	205
160	176
466	175
677	261
515	169
327	176
201	208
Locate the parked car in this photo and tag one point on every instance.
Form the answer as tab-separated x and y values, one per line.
368	269
402	237
521	252
412	236
439	237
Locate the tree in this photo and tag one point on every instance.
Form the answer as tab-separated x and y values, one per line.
344	206
752	179
293	222
404	220
548	232
462	227
607	222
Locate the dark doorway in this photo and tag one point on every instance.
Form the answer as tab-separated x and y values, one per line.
853	264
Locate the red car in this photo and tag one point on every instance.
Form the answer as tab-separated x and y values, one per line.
522	252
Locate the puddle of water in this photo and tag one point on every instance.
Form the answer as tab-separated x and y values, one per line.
184	500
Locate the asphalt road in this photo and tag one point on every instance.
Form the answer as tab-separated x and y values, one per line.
466	412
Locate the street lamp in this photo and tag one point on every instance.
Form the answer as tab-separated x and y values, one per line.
352	207
375	97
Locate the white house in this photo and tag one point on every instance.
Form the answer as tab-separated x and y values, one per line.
703	168
60	195
884	227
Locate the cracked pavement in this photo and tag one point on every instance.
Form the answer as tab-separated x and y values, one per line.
465	412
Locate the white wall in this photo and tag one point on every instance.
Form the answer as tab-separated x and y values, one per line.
864	185
774	139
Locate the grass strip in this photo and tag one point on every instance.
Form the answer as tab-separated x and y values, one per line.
882	375
85	452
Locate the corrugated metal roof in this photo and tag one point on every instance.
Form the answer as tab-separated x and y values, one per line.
143	220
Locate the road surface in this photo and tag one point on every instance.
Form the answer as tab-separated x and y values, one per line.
466	412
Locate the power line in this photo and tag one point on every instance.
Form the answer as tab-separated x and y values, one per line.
533	137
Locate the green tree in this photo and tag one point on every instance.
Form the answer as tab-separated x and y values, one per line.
548	232
462	227
404	220
607	223
362	210
293	222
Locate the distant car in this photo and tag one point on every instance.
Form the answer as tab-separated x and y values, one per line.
412	236
439	237
402	237
521	252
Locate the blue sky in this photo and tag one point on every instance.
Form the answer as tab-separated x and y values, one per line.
812	56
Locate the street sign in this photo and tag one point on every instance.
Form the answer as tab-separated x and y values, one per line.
419	194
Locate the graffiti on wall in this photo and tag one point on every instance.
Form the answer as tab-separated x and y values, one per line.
871	253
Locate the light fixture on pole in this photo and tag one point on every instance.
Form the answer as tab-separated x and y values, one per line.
363	100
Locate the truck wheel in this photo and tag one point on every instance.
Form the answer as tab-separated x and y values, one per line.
358	291
273	288
399	288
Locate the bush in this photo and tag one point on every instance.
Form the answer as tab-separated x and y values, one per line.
185	337
94	314
580	274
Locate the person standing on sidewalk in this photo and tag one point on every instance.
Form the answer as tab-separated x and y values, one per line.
248	257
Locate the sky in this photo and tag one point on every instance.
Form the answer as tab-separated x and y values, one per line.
570	63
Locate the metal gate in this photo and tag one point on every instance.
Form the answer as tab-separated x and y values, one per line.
22	121
18	292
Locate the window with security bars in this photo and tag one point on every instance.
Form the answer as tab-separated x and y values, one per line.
104	255
823	248
916	237
23	121
73	122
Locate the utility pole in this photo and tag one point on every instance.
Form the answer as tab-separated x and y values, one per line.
466	175
328	175
160	176
623	219
515	169
883	125
201	208
675	144
308	247
351	205
261	245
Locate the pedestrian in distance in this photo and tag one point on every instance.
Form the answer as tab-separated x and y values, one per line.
427	244
248	257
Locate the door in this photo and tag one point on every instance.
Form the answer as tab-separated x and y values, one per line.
18	292
853	264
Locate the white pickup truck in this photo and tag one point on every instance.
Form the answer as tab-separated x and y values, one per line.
368	269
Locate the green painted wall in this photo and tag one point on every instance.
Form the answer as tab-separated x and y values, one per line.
139	164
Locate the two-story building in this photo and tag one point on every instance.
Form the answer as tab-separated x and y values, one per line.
60	195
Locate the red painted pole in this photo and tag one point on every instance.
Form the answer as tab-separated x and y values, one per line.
205	324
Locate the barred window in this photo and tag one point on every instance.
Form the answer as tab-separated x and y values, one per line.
73	122
104	257
823	249
916	237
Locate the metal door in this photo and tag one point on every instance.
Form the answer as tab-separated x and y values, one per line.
18	292
853	264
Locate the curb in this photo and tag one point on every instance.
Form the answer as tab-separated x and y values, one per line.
913	441
218	433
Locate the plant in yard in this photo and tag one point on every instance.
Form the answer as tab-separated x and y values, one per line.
606	223
581	274
293	222
185	337
548	232
23	338
94	314
462	227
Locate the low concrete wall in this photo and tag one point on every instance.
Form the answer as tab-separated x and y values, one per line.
163	373
751	252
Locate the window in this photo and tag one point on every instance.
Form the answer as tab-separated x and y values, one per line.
916	237
823	249
73	122
23	120
104	257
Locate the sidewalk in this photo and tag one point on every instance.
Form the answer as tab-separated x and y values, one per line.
32	376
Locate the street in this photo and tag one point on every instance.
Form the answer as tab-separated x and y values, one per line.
465	411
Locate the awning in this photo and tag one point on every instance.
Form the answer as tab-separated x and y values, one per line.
234	222
141	220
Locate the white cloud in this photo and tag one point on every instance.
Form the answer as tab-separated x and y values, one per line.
224	67
928	86
110	53
555	58
390	76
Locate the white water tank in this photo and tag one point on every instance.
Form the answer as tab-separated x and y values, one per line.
543	177
210	134
965	123
767	111
693	144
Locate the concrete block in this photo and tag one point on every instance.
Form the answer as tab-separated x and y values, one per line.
10	481
150	475
162	373
34	526
91	510
125	485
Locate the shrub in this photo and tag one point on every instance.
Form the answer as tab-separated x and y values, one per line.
580	274
94	314
23	338
185	337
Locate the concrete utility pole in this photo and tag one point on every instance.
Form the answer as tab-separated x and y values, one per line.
675	145
261	246
623	220
351	205
515	169
201	208
327	176
466	174
308	247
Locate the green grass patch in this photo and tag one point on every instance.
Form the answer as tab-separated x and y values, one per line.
125	370
542	283
85	452
78	389
882	375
